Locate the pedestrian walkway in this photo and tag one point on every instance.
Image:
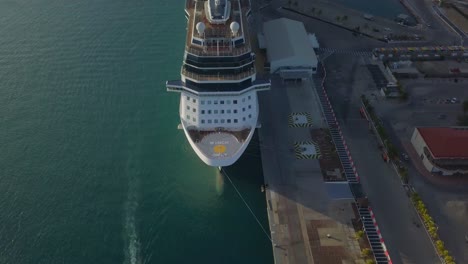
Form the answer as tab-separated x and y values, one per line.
333	126
373	234
346	52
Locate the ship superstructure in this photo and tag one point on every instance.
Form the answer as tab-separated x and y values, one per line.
218	86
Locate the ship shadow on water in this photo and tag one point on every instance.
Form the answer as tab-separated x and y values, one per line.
248	169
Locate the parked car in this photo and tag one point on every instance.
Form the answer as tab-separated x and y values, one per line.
405	156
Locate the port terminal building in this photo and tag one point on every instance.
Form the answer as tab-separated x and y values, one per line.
290	50
442	150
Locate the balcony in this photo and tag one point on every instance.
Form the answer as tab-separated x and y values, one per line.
218	77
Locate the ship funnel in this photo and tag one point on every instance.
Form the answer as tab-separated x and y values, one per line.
234	28
200	28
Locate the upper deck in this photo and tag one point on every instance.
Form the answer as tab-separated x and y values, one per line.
217	39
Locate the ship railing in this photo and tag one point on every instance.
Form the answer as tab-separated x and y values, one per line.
222	51
218	77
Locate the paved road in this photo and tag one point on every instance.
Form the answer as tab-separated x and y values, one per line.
446	204
407	243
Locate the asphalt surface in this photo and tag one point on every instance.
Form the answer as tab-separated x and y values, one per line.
446	204
404	236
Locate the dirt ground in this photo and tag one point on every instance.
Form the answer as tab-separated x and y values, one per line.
457	19
329	161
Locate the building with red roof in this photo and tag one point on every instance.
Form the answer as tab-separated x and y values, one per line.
443	150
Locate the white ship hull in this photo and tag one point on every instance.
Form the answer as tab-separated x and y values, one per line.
216	141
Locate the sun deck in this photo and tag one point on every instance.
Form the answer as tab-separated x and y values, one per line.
218	36
219	144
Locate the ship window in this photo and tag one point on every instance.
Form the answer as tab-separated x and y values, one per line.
249	97
235	120
250	106
203	112
235	111
234	102
209	101
188	117
222	111
222	121
194	119
194	110
202	102
188	97
228	102
188	107
243	100
250	116
209	121
203	121
216	121
229	120
215	111
194	100
221	102
243	119
243	109
228	111
209	112
215	102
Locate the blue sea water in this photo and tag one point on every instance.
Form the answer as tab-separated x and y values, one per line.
92	166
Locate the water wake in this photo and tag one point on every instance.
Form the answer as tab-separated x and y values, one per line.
132	243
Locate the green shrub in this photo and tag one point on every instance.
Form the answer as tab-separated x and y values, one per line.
366	252
359	234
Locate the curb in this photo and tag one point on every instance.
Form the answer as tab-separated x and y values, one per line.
380	236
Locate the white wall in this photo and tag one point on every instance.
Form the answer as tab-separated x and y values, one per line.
209	112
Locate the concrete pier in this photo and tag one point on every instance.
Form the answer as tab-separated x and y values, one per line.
307	225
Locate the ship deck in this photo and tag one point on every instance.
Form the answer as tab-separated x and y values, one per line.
219	144
196	11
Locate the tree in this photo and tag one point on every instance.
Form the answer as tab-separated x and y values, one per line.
463	120
465	106
370	261
359	234
366	252
338	18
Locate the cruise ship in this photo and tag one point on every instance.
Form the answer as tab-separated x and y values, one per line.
218	86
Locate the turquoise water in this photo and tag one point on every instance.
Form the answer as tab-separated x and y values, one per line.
93	168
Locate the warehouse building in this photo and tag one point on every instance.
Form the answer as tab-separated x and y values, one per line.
289	48
443	150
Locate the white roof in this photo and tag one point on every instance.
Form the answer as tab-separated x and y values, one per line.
287	39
